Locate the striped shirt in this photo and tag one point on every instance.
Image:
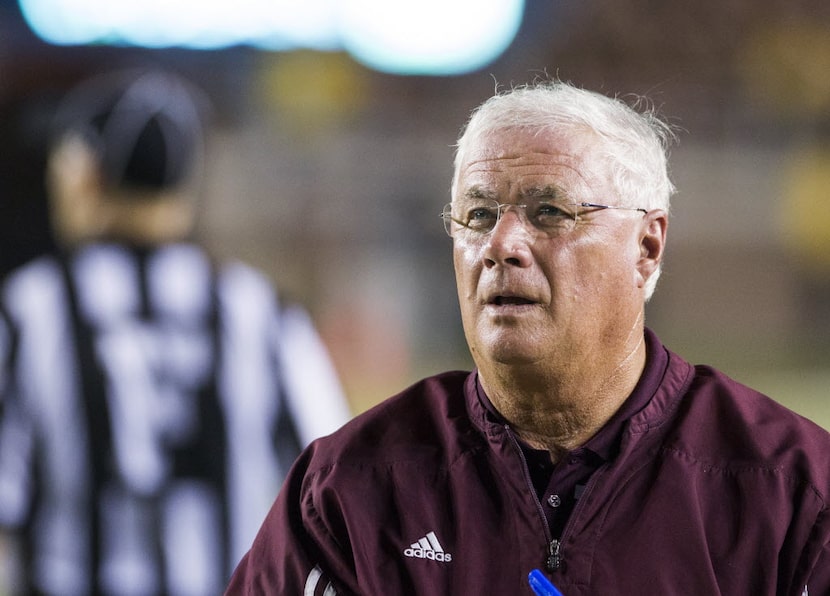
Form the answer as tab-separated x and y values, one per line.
152	405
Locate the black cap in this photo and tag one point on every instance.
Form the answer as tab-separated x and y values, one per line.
145	126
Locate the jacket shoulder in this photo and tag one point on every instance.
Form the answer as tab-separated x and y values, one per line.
426	420
734	426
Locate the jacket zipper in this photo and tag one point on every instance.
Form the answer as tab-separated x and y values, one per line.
553	556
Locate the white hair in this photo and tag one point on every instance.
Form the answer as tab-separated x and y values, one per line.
632	142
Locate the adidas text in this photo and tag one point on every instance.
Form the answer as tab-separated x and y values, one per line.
420	553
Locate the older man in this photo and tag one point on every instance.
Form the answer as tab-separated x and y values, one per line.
580	445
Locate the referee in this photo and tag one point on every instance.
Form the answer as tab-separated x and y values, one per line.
152	398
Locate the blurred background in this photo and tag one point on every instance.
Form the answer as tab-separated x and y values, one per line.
331	156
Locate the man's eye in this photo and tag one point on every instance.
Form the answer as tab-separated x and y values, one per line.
546	209
481	215
548	213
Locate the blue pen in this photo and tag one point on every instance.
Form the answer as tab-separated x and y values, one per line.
541	585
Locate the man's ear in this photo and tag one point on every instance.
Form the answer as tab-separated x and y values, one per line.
652	243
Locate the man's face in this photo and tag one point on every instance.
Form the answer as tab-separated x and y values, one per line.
527	297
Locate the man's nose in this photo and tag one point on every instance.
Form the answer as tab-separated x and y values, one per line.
509	242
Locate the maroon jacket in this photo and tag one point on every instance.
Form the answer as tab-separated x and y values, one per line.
715	489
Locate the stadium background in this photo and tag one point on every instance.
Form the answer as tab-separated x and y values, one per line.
329	175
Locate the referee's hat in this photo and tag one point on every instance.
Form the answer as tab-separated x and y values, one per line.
146	127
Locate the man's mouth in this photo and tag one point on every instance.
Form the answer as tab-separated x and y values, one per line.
510	301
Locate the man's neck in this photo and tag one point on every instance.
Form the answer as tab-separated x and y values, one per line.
558	409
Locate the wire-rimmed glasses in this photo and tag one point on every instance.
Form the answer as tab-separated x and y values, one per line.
478	217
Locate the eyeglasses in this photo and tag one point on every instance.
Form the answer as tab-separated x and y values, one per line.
477	218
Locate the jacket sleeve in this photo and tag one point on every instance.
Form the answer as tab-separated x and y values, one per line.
297	550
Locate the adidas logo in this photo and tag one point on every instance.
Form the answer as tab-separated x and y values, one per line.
428	547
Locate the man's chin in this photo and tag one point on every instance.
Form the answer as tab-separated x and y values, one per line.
509	353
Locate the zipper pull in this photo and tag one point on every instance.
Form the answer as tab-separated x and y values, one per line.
554	557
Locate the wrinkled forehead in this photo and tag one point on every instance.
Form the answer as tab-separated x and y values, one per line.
519	161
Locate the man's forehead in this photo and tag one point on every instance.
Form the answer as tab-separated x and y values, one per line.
547	179
534	163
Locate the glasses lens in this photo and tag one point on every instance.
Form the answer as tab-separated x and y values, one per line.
470	218
551	218
478	216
